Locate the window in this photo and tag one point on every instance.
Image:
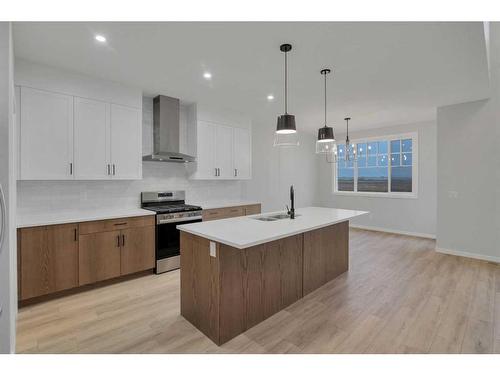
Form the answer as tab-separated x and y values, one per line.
385	166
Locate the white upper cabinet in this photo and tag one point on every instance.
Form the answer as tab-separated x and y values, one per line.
126	142
205	161
242	153
91	139
46	136
223	152
76	127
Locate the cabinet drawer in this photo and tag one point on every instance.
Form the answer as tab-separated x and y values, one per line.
252	209
213	214
223	213
234	211
116	224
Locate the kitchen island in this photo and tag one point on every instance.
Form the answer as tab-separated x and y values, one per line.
237	272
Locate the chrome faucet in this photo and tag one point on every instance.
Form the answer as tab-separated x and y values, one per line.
291	211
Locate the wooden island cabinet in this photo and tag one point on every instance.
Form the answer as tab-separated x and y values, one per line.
235	273
54	258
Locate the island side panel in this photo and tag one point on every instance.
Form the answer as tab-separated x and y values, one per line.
200	285
326	255
291	269
258	282
263	294
232	281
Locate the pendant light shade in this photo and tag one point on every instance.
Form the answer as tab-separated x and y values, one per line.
286	124
325	144
286	130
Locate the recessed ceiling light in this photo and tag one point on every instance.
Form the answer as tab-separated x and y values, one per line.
207	75
270	97
100	38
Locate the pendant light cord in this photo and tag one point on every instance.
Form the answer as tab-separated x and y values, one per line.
325	100
286	84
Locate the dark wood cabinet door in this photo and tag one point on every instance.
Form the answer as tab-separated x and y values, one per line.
49	259
99	256
138	249
62	242
34	269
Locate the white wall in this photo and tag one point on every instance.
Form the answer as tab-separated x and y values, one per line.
468	220
416	216
8	276
466	180
276	168
45	77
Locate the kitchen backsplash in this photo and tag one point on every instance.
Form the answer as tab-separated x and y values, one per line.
36	196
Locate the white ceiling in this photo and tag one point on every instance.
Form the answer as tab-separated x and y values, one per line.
383	73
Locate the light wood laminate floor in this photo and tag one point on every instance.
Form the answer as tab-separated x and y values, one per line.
399	296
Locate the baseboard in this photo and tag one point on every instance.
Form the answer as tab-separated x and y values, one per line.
405	233
465	254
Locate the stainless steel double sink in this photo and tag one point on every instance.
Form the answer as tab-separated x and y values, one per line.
273	217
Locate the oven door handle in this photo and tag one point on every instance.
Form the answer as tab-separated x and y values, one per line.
179	220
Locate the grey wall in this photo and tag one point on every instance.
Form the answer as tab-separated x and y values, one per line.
468	219
466	180
8	285
416	216
276	168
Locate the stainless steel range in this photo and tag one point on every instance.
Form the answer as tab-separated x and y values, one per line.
170	209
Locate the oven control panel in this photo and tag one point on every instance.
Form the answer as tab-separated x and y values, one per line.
178	217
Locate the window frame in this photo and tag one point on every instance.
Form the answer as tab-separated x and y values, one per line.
414	193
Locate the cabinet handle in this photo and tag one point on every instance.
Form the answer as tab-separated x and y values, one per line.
235	172
215	172
71	168
109	169
75	235
120	223
114	170
118	241
123	240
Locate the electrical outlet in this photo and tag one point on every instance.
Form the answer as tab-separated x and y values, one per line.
213	249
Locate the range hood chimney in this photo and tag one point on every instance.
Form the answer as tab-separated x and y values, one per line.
166	131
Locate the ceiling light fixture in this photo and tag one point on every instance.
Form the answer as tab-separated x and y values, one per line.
325	144
286	131
100	38
270	97
207	75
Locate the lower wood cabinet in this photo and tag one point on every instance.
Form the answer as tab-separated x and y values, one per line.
227	212
137	249
57	257
48	259
99	256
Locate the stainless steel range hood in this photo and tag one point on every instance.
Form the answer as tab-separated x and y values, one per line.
166	132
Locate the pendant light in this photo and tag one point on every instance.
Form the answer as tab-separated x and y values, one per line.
286	131
348	146
325	144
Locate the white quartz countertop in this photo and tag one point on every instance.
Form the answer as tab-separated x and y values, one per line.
245	231
74	216
207	205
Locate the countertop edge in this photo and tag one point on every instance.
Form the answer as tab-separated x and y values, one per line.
97	217
215	204
277	237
